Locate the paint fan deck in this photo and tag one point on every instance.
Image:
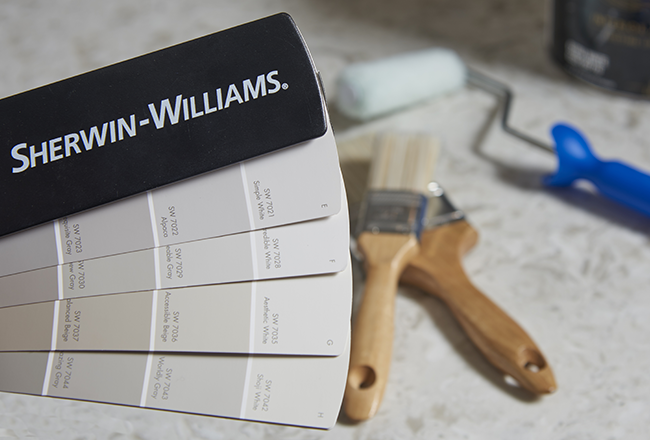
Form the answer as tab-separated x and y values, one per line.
212	275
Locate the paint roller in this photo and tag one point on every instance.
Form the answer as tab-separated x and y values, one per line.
371	89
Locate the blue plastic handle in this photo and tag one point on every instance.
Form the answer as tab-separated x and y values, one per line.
615	180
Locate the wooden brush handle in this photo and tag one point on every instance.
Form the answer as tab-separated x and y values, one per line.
386	255
438	270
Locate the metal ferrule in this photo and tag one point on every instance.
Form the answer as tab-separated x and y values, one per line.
393	212
440	210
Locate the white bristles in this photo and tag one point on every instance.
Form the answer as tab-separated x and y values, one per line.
367	90
403	161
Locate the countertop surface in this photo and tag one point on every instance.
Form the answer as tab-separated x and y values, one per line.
571	267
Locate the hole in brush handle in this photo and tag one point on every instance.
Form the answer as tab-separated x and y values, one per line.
532	360
362	377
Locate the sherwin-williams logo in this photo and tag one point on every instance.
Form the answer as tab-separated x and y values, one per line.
182	109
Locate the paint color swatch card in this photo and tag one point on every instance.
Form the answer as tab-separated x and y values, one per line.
291	316
293	390
298	183
308	248
156	119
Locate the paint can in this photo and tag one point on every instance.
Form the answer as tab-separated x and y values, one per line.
604	42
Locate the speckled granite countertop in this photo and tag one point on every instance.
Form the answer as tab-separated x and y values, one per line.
569	266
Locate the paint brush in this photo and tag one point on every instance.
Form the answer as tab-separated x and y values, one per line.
390	222
438	270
